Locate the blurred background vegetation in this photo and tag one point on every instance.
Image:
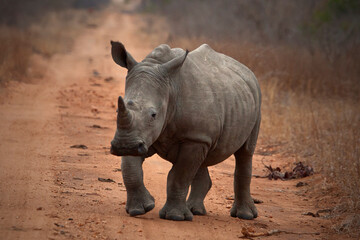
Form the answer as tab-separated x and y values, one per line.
43	27
306	55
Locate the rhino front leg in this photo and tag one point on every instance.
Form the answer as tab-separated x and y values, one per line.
186	165
139	200
200	186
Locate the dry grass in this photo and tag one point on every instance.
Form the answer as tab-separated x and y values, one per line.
323	131
310	109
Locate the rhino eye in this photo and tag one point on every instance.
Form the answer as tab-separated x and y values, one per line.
153	114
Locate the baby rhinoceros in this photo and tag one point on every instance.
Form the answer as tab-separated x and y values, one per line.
194	110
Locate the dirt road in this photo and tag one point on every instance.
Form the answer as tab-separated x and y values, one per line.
49	190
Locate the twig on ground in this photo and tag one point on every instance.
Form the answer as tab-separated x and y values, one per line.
249	233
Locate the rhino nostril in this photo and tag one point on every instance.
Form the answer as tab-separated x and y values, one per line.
142	148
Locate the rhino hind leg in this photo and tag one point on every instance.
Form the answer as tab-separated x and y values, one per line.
244	206
200	186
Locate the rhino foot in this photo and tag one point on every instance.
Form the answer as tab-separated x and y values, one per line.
244	210
176	213
197	208
140	203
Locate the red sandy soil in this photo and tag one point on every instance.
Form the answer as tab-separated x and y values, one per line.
51	191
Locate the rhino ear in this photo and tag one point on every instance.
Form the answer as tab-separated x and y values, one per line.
121	56
175	64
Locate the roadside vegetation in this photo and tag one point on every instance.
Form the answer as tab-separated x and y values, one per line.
305	55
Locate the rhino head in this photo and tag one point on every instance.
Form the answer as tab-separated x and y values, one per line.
143	112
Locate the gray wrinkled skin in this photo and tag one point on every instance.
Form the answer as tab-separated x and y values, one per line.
194	110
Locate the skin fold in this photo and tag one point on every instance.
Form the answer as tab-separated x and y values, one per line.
194	110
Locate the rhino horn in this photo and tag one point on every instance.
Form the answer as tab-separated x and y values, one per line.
173	65
124	115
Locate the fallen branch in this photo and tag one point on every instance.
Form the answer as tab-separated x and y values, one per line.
299	171
250	233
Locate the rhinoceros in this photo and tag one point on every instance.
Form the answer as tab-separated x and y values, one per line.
194	109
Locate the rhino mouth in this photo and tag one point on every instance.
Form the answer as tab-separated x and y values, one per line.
138	149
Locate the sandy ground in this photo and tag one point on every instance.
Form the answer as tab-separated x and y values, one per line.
51	191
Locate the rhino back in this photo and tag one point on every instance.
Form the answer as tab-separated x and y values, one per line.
218	102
